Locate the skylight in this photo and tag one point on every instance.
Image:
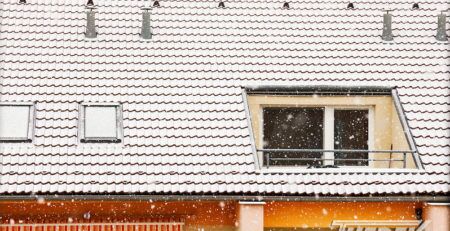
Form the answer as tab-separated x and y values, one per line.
100	123
16	122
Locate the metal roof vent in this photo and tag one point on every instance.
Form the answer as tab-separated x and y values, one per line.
441	29
286	5
146	31
91	31
22	1
90	3
415	6
221	4
350	6
387	27
156	4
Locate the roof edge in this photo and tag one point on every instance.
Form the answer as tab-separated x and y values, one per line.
445	198
319	89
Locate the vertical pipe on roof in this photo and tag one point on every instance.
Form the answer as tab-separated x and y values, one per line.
387	27
441	29
146	32
91	32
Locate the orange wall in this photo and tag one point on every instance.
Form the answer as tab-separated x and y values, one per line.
195	213
321	214
205	214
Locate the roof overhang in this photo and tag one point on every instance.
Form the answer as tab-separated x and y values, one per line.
445	198
319	90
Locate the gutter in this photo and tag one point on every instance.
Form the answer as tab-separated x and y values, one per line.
318	89
91	197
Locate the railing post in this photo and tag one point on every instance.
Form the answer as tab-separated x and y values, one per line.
267	158
404	160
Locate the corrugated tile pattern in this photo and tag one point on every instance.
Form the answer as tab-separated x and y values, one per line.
185	127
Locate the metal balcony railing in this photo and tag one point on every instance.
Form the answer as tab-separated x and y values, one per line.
140	226
327	161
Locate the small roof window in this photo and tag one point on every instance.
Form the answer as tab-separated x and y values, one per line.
16	122
101	123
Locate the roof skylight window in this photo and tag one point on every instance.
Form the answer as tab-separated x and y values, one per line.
16	122
100	123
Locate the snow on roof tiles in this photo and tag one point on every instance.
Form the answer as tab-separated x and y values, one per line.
184	118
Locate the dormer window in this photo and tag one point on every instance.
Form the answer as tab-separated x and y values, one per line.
330	127
310	129
292	128
16	122
100	123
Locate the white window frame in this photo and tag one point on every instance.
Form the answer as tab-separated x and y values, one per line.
328	131
82	123
31	123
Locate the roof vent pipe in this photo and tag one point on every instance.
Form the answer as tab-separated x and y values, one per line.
91	31
387	27
350	6
22	1
415	6
286	5
146	32
221	4
156	4
441	29
90	3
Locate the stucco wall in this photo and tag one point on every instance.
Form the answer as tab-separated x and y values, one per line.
214	216
321	214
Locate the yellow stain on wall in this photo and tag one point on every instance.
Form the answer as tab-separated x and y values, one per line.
321	214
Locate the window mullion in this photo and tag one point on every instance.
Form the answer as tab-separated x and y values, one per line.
329	135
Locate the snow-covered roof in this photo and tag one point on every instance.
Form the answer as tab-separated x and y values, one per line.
185	126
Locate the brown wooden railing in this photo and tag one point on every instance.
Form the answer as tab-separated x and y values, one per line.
141	226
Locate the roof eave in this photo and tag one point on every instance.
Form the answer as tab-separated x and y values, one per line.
445	198
319	89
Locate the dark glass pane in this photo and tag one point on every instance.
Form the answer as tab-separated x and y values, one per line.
351	131
293	128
